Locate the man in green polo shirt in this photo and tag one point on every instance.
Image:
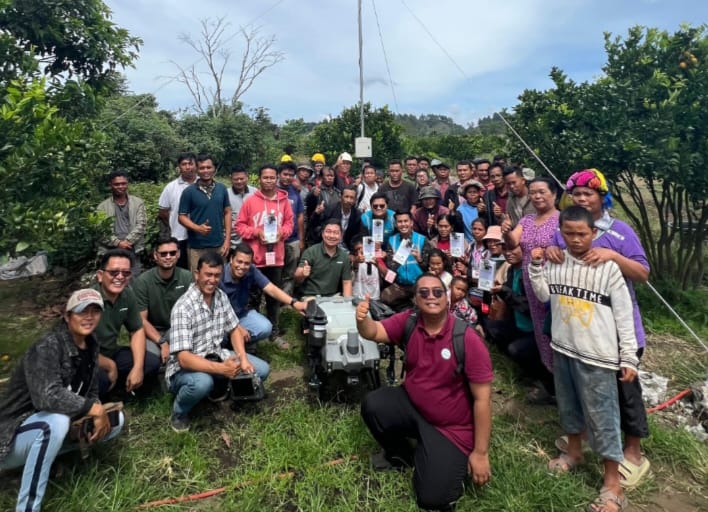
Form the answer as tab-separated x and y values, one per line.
157	290
120	365
324	268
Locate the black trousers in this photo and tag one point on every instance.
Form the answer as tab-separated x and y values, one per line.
633	414
275	276
124	363
440	466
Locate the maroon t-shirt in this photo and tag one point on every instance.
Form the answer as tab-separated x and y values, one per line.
431	383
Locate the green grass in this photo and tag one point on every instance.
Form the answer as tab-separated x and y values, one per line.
274	456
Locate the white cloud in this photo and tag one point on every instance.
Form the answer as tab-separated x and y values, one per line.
503	47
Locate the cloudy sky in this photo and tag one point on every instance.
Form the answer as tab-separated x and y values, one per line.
501	47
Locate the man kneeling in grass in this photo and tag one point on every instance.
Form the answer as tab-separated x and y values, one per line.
200	319
56	382
433	406
594	344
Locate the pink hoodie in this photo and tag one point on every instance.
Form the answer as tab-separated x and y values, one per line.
251	219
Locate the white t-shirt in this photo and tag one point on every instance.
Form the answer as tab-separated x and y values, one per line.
365	282
169	200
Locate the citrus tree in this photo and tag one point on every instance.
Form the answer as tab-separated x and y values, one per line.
645	125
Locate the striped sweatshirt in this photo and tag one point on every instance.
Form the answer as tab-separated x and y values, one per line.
591	311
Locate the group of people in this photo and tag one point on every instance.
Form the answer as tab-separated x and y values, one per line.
441	246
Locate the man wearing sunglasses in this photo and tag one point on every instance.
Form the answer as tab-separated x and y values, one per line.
433	405
157	290
123	367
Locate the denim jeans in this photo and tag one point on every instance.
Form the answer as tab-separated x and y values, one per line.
39	439
191	387
258	326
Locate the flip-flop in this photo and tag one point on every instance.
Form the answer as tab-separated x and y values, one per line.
631	474
564	463
605	498
562	445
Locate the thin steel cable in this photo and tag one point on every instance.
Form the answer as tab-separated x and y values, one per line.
540	161
383	49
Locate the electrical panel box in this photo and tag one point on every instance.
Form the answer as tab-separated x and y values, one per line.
362	147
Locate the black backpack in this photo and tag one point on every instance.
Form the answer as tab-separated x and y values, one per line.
458	341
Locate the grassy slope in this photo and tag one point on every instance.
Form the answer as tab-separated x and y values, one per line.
281	448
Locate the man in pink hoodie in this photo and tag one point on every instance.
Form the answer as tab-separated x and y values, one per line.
264	223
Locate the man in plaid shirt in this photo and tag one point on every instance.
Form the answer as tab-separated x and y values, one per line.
201	320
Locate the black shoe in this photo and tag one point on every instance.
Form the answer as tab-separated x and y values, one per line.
220	392
179	423
539	396
381	462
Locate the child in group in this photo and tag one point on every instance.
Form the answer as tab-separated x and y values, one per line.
437	263
365	273
477	251
593	338
460	305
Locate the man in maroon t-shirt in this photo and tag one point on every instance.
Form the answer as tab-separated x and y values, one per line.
432	406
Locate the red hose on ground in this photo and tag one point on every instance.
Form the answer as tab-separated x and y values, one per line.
219	490
669	401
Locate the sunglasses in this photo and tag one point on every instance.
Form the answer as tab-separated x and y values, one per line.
378	206
116	273
425	292
164	254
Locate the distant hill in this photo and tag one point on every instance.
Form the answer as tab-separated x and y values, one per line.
429	124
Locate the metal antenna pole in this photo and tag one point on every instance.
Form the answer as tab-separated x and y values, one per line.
361	73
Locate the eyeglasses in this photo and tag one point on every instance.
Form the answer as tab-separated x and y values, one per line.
164	254
425	292
378	206
116	273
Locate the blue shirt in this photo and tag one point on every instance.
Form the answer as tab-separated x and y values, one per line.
298	208
199	207
407	273
239	291
469	213
367	218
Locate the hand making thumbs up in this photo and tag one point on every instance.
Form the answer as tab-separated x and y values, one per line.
362	309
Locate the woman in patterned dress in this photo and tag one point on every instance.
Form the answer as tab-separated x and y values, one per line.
536	230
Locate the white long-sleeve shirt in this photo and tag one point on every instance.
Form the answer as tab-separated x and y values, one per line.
591	311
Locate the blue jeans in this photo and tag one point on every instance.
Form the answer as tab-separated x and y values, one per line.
258	326
38	440
191	387
587	399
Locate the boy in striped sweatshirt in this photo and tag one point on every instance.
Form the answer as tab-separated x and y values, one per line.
594	344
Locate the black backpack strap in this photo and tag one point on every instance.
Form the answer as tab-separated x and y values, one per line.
458	345
407	332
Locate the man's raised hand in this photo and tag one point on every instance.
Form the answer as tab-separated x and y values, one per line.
362	309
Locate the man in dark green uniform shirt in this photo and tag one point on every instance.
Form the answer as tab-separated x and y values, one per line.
156	292
324	268
119	364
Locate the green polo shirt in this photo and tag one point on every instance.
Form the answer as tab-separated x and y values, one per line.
124	312
327	273
157	296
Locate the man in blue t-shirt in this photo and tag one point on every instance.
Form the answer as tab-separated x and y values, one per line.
205	210
239	277
296	243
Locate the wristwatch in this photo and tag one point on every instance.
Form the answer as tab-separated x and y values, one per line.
292	302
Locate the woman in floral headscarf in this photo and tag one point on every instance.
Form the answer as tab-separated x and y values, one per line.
618	242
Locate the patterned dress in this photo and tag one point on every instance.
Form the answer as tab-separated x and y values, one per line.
537	236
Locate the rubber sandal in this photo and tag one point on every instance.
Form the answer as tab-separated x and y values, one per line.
631	474
562	445
564	463
605	498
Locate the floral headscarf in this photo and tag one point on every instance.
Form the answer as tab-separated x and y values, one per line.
594	179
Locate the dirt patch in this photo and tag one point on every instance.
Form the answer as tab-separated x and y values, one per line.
671	502
276	376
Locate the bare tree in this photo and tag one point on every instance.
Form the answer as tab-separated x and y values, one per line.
208	88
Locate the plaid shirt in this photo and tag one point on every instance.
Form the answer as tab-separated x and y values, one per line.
198	328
